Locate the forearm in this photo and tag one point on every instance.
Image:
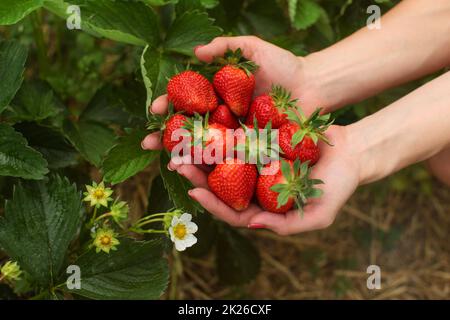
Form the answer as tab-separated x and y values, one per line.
413	41
408	131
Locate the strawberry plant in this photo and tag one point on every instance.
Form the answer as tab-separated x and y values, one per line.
73	110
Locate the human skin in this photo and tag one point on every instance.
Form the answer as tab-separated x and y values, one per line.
412	129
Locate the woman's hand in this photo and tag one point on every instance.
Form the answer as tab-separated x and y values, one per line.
337	167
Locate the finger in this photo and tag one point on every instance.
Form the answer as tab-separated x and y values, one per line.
194	174
152	142
218	46
160	105
290	223
215	206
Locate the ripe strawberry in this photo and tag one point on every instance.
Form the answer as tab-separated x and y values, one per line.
224	116
298	138
271	107
191	92
208	141
235	82
234	183
174	123
284	184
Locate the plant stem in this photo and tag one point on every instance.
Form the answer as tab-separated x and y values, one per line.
177	270
36	22
148	221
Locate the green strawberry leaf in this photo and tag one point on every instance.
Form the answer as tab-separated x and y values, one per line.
158	199
124	21
156	68
12	66
50	143
127	158
13	11
135	271
304	13
189	30
90	138
39	223
17	159
34	101
177	187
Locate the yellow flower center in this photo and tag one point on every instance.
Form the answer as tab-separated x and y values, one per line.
105	240
180	231
99	194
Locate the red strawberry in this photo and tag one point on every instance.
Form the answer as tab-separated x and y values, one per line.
191	92
235	82
215	140
267	198
207	140
298	138
175	122
224	116
271	107
234	183
283	184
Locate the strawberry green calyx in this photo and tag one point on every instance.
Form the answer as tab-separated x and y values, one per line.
282	98
298	184
191	127
157	122
260	146
235	58
313	126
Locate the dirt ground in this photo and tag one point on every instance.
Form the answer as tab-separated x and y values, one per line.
405	233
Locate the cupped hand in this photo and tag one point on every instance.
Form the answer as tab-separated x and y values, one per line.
337	168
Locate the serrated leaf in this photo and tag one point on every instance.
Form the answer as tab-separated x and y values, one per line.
177	187
307	13
12	66
91	139
136	271
14	11
111	104
189	30
237	259
156	69
40	222
50	143
17	159
127	158
124	21
34	101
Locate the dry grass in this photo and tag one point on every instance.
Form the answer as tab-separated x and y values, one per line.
406	234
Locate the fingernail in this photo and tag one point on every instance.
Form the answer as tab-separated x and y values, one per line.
142	145
197	47
168	167
256	226
191	194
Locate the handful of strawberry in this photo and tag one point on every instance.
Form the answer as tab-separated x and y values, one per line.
209	125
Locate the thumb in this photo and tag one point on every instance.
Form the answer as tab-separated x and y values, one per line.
220	45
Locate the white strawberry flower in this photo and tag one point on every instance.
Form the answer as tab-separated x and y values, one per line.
182	231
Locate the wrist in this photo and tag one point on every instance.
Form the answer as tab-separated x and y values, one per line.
367	146
311	90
